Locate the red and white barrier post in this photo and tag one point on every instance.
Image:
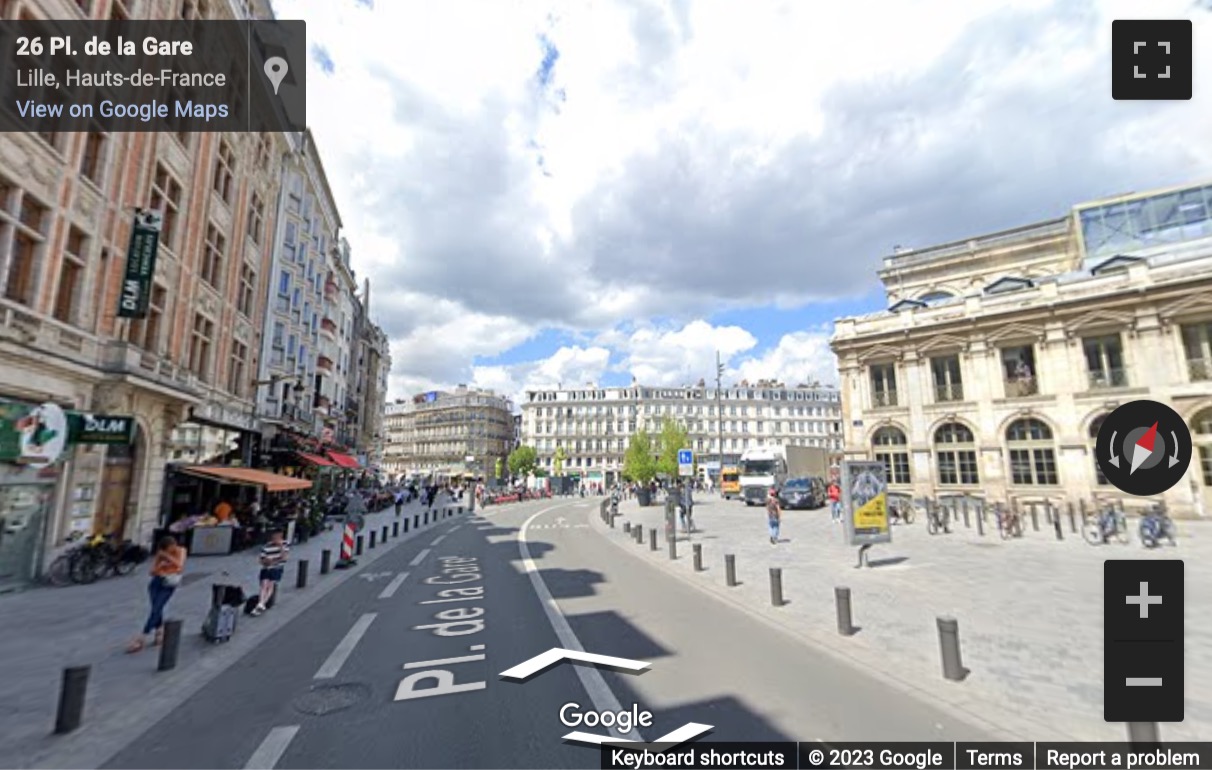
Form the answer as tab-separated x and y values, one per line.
347	547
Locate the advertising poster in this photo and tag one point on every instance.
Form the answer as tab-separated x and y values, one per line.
865	502
140	265
33	435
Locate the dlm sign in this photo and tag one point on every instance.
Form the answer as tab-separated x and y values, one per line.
83	428
135	297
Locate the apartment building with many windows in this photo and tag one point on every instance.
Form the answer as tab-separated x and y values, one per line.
998	357
593	425
447	433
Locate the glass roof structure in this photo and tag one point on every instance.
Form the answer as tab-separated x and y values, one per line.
1144	222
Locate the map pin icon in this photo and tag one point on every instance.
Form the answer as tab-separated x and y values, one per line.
275	70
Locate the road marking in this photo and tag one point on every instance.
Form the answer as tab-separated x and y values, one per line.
438	539
272	748
345	647
419	558
394	586
669	740
591	679
548	659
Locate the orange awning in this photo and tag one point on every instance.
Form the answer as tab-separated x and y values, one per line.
312	459
272	482
345	461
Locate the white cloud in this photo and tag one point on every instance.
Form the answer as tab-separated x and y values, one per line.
568	367
800	357
691	157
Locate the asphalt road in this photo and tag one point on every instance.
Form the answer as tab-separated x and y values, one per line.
344	684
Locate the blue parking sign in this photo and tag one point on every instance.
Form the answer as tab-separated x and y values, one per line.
685	457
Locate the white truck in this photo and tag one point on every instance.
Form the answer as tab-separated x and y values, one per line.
764	467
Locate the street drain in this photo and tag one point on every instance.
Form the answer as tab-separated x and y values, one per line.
324	699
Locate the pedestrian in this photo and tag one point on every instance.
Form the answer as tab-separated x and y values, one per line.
273	563
687	508
835	501
168	565
774	515
399	501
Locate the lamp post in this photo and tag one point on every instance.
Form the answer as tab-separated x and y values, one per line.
719	417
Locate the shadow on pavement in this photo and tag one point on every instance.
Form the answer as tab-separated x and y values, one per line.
626	641
567	584
887	561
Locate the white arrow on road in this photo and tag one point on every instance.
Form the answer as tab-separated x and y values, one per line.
669	740
556	655
370	577
561	521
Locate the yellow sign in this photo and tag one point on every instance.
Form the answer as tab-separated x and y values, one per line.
872	516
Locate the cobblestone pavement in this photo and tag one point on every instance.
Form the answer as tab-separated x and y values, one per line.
1030	610
43	630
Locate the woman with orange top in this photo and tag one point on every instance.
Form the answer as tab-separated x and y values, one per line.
168	565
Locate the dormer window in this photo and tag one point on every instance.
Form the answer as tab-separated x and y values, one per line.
906	304
1008	284
1117	264
935	297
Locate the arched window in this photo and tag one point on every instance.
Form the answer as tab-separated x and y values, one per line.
1032	453
1095	425
955	450
1202	429
892	448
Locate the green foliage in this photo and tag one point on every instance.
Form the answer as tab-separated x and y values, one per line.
673	437
557	462
523	460
638	462
499	468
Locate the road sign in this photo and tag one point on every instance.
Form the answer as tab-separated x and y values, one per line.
685	462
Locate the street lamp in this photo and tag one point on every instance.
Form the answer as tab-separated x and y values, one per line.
719	417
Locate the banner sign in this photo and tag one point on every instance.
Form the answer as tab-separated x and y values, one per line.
32	434
85	428
140	265
865	502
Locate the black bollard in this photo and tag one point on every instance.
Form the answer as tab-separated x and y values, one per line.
1056	520
325	561
406	521
980	519
845	626
673	546
301	578
776	586
372	538
627	528
416	521
72	692
1034	517
730	570
1143	734
949	646
698	557
395	528
358	546
170	645
1072	519
383	534
459	510
652	539
967	521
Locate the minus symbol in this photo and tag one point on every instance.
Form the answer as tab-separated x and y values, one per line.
1143	681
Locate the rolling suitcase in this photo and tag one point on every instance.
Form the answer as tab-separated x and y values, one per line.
220	621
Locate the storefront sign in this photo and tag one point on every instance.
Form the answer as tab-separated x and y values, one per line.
140	265
32	434
99	428
865	502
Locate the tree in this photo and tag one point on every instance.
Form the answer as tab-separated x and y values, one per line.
638	463
673	437
499	468
557	462
522	461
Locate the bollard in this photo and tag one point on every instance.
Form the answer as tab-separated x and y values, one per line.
730	570
459	510
406	525
301	578
949	646
325	561
652	539
964	507
72	692
698	557
1034	518
372	538
383	535
425	520
416	520
980	519
358	546
673	547
1072	519
776	586
845	626
1143	734
1056	520
627	528
169	645
395	529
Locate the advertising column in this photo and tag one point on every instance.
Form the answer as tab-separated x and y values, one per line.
865	505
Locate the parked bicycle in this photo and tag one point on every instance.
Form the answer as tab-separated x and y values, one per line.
938	519
94	558
900	510
1009	522
1155	526
1099	528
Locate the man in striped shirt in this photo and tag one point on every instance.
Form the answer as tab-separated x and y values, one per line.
273	561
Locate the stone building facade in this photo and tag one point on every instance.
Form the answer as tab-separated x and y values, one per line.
435	433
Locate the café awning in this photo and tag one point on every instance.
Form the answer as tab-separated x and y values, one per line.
344	460
272	482
311	459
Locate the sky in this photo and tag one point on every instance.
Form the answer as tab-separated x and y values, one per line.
553	194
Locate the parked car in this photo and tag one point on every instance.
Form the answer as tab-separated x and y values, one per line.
803	492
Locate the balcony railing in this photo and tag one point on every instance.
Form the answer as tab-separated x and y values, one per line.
1022	386
1108	378
883	398
1199	369
948	391
324	362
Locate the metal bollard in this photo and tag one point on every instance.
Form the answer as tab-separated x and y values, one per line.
325	561
459	510
776	586
416	520
1072	519
845	625
372	538
967	521
652	539
358	546
1056	520
980	519
1143	734
964	508
627	528
698	557
949	646
72	693
169	645
383	535
1034	518
673	547
301	577
730	570
395	528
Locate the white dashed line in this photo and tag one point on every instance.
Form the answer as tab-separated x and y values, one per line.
345	647
438	539
419	558
394	586
272	748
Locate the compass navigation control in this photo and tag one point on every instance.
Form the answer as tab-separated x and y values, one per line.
1144	448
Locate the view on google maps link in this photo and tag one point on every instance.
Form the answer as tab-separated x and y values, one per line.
626	384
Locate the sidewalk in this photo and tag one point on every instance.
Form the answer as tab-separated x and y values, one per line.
43	630
1030	611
